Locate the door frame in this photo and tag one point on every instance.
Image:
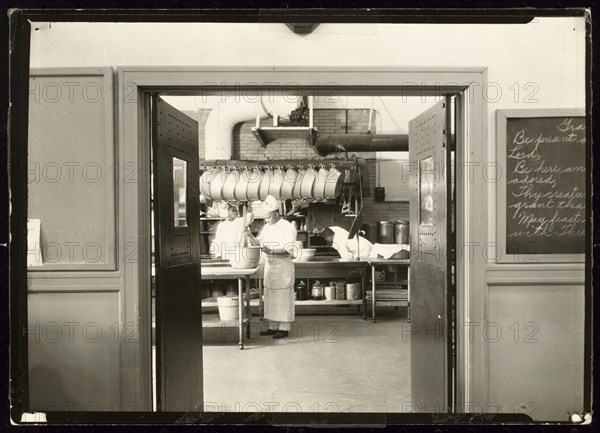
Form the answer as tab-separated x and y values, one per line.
135	84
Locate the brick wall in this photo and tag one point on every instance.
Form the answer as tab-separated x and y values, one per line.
387	211
327	121
247	147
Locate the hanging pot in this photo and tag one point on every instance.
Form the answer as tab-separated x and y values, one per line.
267	178
289	180
308	181
228	192
333	184
241	188
206	179
254	185
298	183
275	186
319	187
216	184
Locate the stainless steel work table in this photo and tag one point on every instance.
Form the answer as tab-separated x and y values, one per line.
374	262
325	268
226	272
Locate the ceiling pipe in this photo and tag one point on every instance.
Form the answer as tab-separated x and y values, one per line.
331	143
218	129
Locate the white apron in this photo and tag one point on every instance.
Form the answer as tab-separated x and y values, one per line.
279	277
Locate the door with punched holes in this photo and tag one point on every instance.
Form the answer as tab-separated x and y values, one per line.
430	205
176	193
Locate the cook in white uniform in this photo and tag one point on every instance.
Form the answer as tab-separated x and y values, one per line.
228	235
277	241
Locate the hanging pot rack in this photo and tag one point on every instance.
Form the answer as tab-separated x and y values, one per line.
351	193
269	165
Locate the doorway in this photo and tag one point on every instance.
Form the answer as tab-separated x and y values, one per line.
134	118
443	360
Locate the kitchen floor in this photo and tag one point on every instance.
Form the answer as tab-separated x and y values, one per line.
330	362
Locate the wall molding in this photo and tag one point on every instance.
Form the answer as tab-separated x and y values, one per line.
78	289
536	274
520	281
61	275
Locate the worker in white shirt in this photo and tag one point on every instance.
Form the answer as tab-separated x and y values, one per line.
229	234
277	239
337	237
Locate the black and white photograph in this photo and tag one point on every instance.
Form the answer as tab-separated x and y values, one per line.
319	217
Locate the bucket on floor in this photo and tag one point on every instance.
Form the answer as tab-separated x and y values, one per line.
228	307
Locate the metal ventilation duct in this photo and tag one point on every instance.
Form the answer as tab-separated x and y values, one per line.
332	143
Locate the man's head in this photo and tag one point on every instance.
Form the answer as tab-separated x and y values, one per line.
328	235
232	212
272	217
272	206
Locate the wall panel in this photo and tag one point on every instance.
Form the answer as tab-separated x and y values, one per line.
74	350
535	346
71	168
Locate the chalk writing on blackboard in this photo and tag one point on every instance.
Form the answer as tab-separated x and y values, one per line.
545	185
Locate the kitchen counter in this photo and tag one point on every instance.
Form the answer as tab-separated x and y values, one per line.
380	261
333	261
220	272
326	268
320	268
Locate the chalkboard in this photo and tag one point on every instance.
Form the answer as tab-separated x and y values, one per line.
545	185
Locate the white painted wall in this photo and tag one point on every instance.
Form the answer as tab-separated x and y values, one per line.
548	51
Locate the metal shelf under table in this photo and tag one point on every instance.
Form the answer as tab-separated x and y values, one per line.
321	268
375	262
225	272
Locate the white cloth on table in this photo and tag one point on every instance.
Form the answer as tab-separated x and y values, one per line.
279	273
348	248
388	250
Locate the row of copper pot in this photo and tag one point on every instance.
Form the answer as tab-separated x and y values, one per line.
256	183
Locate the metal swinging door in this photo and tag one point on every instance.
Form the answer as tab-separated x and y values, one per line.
176	198
430	206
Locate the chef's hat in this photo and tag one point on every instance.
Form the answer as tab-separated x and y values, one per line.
272	204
